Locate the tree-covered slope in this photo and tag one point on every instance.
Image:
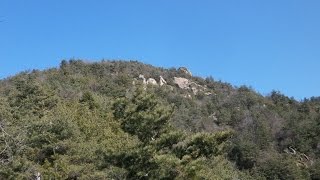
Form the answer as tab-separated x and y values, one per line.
128	120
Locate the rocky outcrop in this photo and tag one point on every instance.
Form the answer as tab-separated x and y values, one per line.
162	81
185	71
152	81
143	79
184	83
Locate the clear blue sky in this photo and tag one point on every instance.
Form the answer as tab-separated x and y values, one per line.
272	44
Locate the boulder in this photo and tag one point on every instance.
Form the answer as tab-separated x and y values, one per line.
143	79
152	81
183	83
162	81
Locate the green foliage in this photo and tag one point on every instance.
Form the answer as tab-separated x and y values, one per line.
280	167
142	115
203	145
30	97
165	153
245	154
315	171
96	121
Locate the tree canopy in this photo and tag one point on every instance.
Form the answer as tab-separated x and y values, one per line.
99	121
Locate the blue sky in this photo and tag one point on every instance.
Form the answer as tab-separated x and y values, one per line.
268	45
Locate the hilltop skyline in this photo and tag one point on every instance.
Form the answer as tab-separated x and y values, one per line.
265	45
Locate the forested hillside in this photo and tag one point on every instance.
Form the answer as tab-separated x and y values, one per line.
129	120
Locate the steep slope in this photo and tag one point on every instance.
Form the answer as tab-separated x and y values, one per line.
128	120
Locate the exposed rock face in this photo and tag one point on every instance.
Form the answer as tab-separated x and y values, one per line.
162	81
149	81
143	79
152	81
183	83
185	71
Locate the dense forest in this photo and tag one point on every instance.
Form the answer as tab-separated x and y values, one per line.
129	120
